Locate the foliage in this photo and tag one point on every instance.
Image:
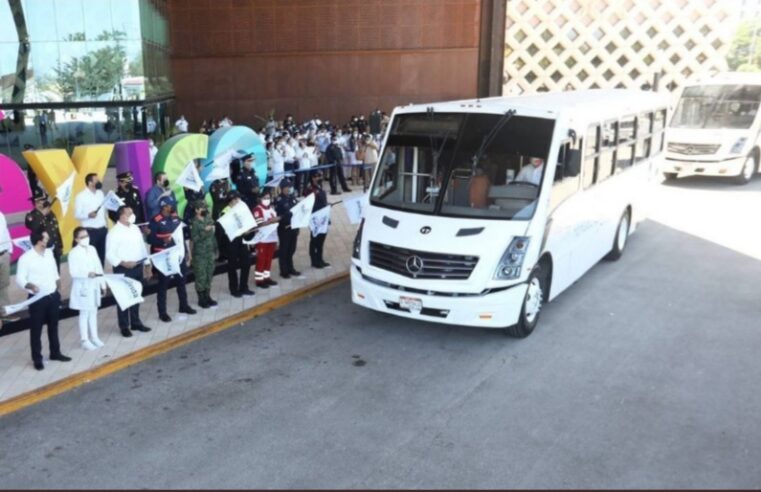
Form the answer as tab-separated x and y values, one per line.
95	73
746	47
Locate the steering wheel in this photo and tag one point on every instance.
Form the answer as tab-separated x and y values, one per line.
523	183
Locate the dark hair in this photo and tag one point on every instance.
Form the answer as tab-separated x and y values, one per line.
156	175
36	236
75	234
89	178
120	210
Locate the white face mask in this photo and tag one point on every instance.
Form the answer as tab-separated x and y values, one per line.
85	241
266	202
131	219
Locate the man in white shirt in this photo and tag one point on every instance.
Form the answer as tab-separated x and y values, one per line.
532	172
6	248
36	273
125	251
90	212
181	125
226	122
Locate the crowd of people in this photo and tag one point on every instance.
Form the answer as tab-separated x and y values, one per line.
147	224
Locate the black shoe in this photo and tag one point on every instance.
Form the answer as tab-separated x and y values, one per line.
347	190
248	292
317	266
325	264
126	333
334	193
211	301
262	285
188	310
295	273
202	302
165	318
271	282
285	276
141	328
60	358
39	366
236	294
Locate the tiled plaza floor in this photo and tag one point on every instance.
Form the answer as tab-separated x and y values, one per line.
18	376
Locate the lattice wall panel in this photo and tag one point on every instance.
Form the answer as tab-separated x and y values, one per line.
581	44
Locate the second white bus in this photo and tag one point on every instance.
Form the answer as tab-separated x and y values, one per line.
481	211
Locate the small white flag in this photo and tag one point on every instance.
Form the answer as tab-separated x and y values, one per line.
221	166
355	208
127	292
277	179
112	202
189	178
237	221
23	243
266	233
167	261
15	308
179	239
63	192
301	212
319	221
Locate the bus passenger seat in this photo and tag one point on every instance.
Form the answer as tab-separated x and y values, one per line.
478	191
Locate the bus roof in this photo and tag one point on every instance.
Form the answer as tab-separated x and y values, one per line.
728	78
592	104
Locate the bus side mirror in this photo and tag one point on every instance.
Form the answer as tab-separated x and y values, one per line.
573	163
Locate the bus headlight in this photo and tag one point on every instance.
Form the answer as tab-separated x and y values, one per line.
355	251
737	148
511	264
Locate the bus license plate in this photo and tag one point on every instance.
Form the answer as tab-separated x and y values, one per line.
414	304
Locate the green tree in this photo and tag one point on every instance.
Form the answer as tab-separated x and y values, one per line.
95	73
746	46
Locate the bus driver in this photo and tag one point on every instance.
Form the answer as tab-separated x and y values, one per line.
531	172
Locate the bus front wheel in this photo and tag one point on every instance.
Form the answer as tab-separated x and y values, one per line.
750	167
670	176
622	237
532	305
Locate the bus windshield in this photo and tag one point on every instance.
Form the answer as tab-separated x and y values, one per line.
473	165
717	106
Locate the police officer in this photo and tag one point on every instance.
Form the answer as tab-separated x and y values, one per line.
238	255
247	183
192	197
317	242
42	218
204	249
160	238
288	237
130	194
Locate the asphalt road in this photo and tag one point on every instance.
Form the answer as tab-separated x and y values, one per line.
643	374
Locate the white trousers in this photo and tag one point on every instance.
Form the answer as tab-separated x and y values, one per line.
88	324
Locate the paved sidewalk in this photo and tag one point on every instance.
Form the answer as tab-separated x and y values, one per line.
18	376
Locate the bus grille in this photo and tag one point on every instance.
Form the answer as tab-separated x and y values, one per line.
693	149
421	264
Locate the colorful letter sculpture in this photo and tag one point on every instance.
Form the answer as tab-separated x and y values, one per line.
236	138
15	198
174	156
135	156
54	166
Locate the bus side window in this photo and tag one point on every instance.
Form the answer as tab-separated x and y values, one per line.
567	173
659	135
591	148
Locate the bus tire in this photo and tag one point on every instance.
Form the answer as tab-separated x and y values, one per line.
621	237
670	176
532	305
750	168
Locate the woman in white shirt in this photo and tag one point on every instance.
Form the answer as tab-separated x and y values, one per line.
278	160
86	287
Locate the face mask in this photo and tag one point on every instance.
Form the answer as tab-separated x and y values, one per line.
291	191
165	184
204	213
85	241
131	219
266	202
98	185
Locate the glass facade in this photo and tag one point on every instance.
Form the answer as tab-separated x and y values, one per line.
74	72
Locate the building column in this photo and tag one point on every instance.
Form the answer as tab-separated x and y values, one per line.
491	52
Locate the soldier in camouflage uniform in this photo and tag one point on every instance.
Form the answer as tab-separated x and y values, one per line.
204	244
42	218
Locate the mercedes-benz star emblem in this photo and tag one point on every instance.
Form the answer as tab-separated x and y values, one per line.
414	264
425	230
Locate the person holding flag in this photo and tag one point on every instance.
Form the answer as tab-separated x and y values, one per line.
287	236
265	215
125	251
42	219
91	214
163	225
193	193
204	246
317	241
130	195
238	254
87	287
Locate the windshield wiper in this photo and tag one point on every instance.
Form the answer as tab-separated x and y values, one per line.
436	153
491	135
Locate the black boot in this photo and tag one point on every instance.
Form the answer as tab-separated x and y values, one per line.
202	300
211	302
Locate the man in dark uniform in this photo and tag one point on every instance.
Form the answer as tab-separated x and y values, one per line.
42	218
160	238
131	197
192	197
334	157
247	183
287	237
316	243
238	255
219	189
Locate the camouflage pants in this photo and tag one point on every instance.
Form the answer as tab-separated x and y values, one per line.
203	269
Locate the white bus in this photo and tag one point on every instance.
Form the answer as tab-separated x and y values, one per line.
480	211
715	129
